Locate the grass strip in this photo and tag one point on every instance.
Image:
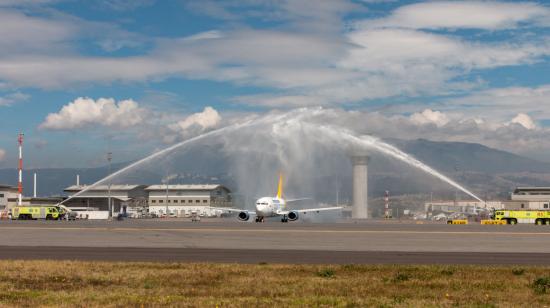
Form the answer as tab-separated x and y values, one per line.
80	283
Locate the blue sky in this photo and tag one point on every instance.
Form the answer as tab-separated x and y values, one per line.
81	78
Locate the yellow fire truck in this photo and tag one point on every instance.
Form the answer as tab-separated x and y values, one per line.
37	212
513	217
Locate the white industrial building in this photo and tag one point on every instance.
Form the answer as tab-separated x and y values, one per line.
462	206
123	197
526	198
182	200
532	198
177	200
7	193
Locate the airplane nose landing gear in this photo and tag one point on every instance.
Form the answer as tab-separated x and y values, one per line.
259	219
284	219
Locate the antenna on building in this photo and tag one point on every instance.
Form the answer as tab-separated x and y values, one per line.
387	210
20	183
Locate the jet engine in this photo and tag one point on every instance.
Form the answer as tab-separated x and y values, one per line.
292	216
244	216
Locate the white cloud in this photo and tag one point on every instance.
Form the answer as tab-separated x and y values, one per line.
125	5
23	33
524	120
520	138
2	155
208	118
10	3
84	112
504	103
463	14
301	64
429	116
13	98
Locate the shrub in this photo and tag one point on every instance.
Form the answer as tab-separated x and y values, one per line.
541	285
518	271
400	277
326	273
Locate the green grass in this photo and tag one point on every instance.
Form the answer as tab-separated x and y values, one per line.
66	283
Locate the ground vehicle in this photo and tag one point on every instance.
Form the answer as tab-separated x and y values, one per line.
513	217
38	212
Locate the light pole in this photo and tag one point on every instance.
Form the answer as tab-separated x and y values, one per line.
166	181
167	208
111	208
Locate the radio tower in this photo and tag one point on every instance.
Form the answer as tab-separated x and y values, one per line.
387	211
20	184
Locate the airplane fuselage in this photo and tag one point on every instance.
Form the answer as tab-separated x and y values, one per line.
269	206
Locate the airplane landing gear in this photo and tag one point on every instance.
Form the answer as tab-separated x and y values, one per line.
259	219
284	219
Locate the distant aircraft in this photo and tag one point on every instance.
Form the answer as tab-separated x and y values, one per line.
275	207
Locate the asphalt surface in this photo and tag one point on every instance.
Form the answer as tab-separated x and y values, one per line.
228	240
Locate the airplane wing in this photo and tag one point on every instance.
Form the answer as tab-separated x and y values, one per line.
233	210
317	210
296	200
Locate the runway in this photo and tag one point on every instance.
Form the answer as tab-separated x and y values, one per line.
232	241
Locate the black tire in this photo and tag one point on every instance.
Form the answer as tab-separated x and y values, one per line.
513	221
539	222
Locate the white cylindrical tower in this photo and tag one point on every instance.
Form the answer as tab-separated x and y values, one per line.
20	183
34	192
360	187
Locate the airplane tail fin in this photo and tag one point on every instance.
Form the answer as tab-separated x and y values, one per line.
280	188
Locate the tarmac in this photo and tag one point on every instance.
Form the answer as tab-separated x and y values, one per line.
228	240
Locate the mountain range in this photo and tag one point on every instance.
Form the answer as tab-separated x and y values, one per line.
487	172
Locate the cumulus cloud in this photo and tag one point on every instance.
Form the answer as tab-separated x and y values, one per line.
461	127
429	116
463	14
2	155
84	112
524	120
208	118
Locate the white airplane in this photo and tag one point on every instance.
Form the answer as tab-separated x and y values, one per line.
275	207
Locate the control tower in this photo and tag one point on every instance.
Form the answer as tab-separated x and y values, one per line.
360	187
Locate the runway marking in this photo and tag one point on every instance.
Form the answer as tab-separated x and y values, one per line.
273	230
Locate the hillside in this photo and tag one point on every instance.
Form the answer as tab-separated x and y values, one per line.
486	171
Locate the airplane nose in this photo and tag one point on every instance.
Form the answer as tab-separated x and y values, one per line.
261	208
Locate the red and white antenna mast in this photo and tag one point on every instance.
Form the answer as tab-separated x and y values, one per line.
20	184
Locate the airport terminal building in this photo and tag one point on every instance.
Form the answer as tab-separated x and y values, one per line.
181	200
176	200
7	193
529	198
522	198
123	197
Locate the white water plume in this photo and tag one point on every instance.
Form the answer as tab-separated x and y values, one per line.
265	120
288	141
369	143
